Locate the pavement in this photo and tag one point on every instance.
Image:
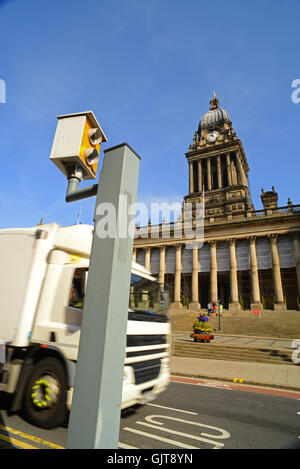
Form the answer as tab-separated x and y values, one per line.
263	374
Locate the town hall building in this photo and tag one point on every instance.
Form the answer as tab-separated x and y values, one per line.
250	259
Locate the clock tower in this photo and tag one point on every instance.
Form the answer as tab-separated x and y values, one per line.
218	165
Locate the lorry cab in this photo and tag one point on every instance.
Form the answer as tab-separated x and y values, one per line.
44	272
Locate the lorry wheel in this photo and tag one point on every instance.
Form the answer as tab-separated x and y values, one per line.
46	394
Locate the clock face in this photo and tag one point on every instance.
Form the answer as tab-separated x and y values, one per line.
212	136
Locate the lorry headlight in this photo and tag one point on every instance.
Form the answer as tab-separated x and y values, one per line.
127	376
165	366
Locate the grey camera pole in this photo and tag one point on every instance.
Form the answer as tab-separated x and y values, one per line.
96	407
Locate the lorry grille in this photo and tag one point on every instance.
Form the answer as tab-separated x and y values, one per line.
146	371
142	340
145	352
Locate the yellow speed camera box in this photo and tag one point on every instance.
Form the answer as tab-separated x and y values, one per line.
77	141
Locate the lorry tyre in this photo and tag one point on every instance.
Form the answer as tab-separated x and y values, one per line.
46	394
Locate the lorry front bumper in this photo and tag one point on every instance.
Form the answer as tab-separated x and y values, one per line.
134	394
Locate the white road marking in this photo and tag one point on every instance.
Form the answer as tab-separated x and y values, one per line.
216	385
171	408
185	435
124	446
160	438
152	421
207	384
224	434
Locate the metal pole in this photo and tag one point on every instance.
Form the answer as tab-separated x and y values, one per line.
73	193
96	407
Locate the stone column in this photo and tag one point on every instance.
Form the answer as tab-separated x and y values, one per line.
147	258
255	290
219	172
191	177
279	299
195	291
213	272
199	175
241	172
162	265
228	164
208	174
177	281
134	255
131	297
234	295
144	300
296	245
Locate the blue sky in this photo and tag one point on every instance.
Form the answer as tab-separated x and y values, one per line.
148	70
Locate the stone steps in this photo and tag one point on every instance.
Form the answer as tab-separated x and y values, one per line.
223	352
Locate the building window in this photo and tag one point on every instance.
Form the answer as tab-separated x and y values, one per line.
195	175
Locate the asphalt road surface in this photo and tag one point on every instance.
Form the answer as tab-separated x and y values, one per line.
191	414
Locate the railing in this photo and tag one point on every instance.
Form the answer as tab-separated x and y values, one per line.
289	209
212	219
277	210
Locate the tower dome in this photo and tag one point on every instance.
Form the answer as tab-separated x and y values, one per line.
215	116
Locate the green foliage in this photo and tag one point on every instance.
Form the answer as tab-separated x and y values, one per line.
202	326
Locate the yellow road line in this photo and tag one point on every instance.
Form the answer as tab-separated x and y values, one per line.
36	439
15	442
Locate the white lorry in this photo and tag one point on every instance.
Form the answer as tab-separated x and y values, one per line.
42	279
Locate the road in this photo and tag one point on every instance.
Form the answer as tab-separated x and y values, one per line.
191	414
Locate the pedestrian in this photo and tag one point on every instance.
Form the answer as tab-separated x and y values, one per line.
209	309
214	308
220	308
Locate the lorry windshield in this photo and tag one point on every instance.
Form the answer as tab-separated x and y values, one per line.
77	292
147	298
